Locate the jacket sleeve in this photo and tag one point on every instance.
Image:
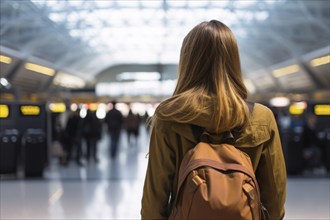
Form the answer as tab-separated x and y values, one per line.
159	177
271	174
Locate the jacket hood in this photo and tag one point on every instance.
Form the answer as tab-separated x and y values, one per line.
204	118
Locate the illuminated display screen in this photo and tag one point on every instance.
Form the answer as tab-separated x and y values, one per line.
57	107
30	110
4	111
297	108
322	109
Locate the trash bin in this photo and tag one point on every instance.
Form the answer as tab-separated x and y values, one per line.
34	147
324	137
327	146
295	147
8	151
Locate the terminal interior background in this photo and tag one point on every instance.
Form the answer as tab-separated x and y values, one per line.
62	56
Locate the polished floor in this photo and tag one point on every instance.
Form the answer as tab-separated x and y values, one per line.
112	189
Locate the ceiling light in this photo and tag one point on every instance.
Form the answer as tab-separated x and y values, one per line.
57	107
5	59
176	3
68	81
141	76
83	112
321	61
286	70
137	88
93	106
262	15
40	69
279	101
73	107
4	82
245	4
197	4
100	113
220	4
151	4
132	4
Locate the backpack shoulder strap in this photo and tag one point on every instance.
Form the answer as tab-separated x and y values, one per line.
201	135
197	131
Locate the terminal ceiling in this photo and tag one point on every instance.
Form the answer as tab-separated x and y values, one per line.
98	39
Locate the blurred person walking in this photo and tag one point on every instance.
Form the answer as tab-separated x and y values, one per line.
314	154
114	121
145	119
72	137
92	129
210	96
132	123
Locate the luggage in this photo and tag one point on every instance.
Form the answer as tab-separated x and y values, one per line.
217	181
295	150
34	143
9	140
325	146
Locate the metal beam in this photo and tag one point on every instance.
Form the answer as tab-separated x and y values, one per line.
320	84
13	71
48	83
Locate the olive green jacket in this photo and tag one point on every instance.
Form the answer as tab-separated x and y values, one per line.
171	140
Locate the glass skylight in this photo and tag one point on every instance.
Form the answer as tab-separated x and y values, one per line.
144	31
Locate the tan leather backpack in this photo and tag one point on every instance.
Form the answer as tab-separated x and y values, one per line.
217	181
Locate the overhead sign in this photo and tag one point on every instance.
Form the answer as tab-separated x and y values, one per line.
322	109
30	110
57	107
297	108
4	111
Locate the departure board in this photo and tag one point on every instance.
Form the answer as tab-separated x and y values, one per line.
4	111
322	109
29	110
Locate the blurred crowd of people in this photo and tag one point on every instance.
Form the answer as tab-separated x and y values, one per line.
305	141
305	137
79	137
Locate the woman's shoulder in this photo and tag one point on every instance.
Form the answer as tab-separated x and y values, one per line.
259	129
160	123
262	114
167	110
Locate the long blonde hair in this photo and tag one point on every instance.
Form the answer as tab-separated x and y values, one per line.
209	66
